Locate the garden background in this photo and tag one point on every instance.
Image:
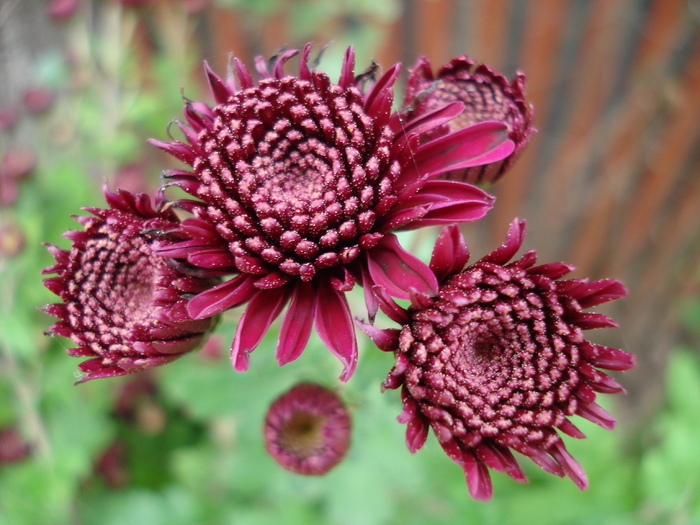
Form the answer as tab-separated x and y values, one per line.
610	183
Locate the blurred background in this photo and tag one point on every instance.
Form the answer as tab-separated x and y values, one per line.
610	183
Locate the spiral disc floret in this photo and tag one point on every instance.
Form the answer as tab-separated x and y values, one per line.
121	303
497	361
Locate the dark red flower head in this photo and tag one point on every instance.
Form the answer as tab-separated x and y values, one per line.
123	305
299	183
307	429
497	361
487	96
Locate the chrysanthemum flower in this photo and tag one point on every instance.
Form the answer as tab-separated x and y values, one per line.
497	361
307	429
123	305
299	183
487	96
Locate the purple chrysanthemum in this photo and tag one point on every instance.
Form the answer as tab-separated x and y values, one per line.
498	360
300	183
123	305
487	96
307	429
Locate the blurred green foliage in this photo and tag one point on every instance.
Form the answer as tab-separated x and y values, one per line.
188	449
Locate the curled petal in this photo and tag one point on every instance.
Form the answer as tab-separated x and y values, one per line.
513	242
448	202
221	297
450	253
475	145
393	268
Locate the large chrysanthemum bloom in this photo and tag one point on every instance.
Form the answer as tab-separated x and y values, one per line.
497	361
123	305
487	96
307	429
299	183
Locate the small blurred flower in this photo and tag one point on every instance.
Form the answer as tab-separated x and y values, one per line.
498	360
134	3
487	96
13	447
299	183
307	429
37	99
11	239
8	118
60	10
123	305
112	465
16	165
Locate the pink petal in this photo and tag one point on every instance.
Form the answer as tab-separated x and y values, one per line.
347	76
596	414
609	358
416	434
570	429
386	340
264	307
500	459
381	93
450	253
589	321
448	201
513	242
475	471
297	324
221	297
392	310
398	271
572	467
335	327
598	292
433	119
475	145
218	87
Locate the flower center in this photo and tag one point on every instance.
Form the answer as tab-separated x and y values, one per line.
114	289
302	434
483	101
291	173
492	362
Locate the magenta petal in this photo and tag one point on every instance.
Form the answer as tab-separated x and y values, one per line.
416	434
475	145
263	308
387	305
335	327
572	467
393	268
218	87
597	292
433	119
610	358
500	459
589	321
596	414
513	242
450	253
221	297
477	475
386	340
297	324
448	201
